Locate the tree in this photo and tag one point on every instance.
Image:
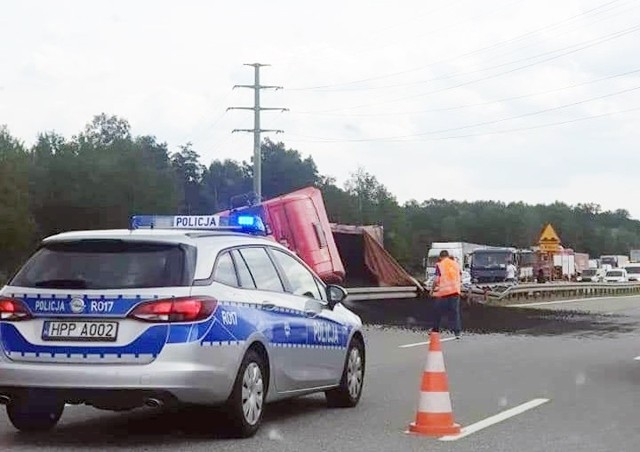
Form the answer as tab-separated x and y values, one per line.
17	226
339	203
223	180
374	204
105	130
189	171
284	170
99	178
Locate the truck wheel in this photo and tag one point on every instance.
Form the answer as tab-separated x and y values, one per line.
37	412
348	394
245	406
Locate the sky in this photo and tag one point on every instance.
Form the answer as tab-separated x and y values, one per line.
510	100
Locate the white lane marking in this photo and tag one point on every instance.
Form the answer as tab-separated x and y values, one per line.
637	358
417	344
542	303
466	431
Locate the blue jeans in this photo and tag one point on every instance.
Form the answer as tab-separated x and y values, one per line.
451	306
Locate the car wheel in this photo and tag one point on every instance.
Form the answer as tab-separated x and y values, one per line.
36	412
245	406
348	394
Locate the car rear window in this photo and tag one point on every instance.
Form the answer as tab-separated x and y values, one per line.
108	264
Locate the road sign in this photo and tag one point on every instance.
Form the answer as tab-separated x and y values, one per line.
549	241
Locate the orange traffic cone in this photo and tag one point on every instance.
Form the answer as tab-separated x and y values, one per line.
435	415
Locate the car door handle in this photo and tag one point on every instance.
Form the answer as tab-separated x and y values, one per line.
310	313
267	306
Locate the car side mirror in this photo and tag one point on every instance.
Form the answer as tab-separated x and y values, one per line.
335	294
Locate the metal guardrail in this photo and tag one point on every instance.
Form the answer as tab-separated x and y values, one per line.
499	293
381	293
537	292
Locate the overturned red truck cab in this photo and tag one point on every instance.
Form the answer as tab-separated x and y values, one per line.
339	254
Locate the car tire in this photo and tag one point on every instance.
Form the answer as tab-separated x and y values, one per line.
245	407
348	394
35	412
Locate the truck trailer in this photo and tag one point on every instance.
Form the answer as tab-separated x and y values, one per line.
615	261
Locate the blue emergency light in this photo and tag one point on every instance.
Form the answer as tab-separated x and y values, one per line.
246	220
248	223
242	223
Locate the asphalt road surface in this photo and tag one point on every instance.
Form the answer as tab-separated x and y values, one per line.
579	356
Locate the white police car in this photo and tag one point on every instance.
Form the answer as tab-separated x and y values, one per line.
118	319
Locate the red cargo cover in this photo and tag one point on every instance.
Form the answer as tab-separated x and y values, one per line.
367	262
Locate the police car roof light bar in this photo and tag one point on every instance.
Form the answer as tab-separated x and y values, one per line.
242	223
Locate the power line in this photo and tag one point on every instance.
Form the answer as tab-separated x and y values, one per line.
367	35
222	99
541	126
483	49
462	73
479	104
257	157
592	43
485	14
483	123
506	131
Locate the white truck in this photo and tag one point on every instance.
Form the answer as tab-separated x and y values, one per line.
615	261
566	262
526	261
460	251
634	256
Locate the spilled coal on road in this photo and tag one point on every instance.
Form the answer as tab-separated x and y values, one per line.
484	319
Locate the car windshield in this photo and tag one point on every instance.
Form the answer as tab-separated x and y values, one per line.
109	264
633	270
589	272
614	273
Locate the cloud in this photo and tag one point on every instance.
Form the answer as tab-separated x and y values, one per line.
169	67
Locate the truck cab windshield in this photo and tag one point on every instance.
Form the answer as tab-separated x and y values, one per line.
491	259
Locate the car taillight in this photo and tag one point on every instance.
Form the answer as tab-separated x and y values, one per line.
181	309
13	310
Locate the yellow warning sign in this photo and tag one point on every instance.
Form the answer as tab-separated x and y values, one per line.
549	241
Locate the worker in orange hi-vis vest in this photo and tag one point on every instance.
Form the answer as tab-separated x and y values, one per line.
446	293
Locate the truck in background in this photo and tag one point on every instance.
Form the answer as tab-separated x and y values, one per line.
564	265
489	265
525	263
460	251
634	256
582	262
615	261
